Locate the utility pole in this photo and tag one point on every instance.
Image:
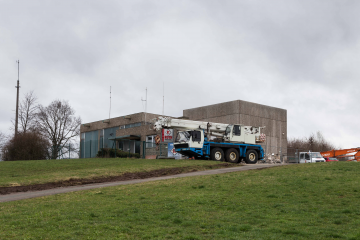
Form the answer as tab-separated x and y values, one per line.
17	102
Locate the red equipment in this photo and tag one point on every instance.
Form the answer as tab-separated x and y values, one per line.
341	154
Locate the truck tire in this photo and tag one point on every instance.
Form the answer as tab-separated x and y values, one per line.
217	154
232	155
251	157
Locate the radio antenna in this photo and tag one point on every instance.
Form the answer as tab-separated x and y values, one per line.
110	104
163	98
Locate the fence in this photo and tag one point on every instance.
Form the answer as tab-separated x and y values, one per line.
275	154
89	149
67	151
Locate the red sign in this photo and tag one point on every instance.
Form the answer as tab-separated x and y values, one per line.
167	135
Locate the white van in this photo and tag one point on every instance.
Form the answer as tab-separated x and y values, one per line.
311	157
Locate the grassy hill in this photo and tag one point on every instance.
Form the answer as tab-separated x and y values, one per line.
308	201
18	173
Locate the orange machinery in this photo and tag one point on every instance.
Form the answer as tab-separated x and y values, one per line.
342	153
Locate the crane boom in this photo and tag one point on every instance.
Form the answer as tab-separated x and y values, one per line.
165	122
343	153
228	132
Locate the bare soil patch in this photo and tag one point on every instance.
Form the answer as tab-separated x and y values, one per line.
122	177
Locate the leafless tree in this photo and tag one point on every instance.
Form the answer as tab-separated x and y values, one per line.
27	113
315	143
3	140
58	123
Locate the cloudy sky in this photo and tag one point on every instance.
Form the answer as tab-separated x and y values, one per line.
302	56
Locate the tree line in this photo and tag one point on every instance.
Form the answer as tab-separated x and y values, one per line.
44	132
314	142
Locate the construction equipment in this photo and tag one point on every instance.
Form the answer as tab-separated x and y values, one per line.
215	141
343	153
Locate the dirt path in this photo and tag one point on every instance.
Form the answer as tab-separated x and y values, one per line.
119	180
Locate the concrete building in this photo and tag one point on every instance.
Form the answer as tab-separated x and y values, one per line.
129	132
251	114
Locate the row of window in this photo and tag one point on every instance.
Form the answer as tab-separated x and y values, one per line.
130	125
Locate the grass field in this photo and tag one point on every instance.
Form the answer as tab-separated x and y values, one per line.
307	201
18	173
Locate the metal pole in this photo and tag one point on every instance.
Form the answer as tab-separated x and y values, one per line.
69	150
110	105
90	148
163	98
17	100
144	149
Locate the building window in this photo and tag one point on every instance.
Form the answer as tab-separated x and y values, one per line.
130	125
150	141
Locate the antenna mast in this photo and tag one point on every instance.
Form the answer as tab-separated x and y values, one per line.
110	104
17	100
163	99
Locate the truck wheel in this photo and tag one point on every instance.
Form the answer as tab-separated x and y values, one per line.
217	154
232	155
251	157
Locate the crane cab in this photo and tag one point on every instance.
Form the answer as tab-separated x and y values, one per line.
189	139
242	134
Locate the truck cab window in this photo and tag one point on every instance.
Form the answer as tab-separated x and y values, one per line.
182	137
236	130
196	136
228	129
307	156
301	156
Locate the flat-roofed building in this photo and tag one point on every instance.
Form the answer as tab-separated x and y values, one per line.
131	131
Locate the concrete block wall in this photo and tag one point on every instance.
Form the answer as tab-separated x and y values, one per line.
247	113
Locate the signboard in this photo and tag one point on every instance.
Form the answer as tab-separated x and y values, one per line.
172	152
167	135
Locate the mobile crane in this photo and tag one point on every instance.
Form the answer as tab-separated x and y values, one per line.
342	153
215	141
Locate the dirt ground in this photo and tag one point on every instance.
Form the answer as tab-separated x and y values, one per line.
122	177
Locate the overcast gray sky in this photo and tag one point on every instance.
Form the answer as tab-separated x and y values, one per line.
302	56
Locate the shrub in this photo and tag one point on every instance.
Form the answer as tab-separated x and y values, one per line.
26	146
108	152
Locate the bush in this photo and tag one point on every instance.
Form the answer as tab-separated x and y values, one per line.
108	152
26	146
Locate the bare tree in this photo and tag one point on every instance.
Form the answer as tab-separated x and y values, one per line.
311	141
57	122
27	113
316	143
3	139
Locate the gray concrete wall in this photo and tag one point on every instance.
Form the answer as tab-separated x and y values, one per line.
247	113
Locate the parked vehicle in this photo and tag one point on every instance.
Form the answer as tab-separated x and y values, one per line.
330	159
310	157
215	141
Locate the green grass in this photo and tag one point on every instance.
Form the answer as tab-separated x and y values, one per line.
307	201
19	173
